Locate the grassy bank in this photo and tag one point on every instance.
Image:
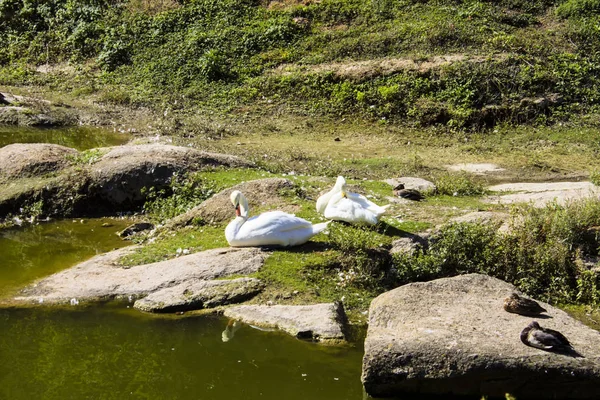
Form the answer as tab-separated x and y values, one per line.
469	64
370	89
548	253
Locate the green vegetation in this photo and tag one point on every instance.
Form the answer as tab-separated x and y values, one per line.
542	253
458	185
465	64
346	87
183	194
172	244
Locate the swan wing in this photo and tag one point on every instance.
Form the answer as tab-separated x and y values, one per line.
367	204
273	222
346	209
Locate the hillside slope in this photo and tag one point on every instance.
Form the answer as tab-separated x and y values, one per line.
463	64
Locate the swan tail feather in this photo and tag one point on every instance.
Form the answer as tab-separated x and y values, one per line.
318	228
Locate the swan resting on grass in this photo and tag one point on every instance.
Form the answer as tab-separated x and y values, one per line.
341	205
272	228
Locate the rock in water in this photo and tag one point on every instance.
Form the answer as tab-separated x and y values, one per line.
452	336
323	323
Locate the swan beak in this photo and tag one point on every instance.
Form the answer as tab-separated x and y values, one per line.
237	211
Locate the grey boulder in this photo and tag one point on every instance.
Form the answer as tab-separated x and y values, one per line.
318	322
452	336
199	294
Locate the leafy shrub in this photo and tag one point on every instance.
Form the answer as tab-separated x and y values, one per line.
364	254
595	177
578	8
183	194
540	254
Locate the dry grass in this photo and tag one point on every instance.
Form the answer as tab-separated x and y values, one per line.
151	7
367	69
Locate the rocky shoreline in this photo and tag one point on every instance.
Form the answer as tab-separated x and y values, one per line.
447	336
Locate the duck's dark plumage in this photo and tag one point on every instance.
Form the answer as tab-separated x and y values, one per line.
410	194
543	338
521	305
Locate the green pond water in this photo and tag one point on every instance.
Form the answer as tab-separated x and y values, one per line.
100	353
114	352
80	138
35	251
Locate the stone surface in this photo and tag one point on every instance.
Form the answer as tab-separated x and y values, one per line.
197	294
422	185
101	278
119	176
539	194
409	244
114	183
217	209
479	169
452	336
318	322
33	159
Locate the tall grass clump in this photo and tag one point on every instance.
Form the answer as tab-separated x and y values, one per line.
183	193
543	252
364	256
458	185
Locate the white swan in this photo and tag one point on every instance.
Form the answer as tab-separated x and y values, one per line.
323	200
353	208
269	228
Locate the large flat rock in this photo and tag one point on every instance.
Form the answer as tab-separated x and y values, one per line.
121	174
198	294
113	183
539	194
101	277
318	322
452	336
33	159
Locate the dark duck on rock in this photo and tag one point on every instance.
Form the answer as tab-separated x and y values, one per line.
546	339
410	194
521	305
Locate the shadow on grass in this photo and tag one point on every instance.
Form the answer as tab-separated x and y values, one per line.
308	247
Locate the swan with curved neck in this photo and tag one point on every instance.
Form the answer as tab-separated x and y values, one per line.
351	207
272	228
323	200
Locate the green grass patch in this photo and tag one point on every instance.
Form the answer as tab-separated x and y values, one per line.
169	245
458	184
223	56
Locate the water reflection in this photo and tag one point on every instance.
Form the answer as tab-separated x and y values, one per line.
96	352
230	330
80	138
33	251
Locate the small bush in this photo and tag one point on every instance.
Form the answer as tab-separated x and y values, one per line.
183	194
458	185
540	254
364	256
578	8
595	177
